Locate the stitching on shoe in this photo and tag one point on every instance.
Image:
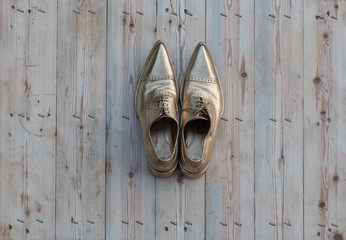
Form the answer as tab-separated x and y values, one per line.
199	95
158	93
160	77
203	79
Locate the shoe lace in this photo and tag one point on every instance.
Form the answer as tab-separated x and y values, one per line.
200	107
162	106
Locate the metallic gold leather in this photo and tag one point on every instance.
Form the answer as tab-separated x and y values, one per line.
156	98
201	98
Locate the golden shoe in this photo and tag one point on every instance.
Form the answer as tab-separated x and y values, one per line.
156	106
202	107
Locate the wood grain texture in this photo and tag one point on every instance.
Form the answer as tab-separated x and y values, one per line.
130	185
230	178
324	119
190	192
27	125
72	161
166	195
279	120
81	104
337	203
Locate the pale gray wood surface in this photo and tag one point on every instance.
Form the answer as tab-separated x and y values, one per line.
130	185
230	178
28	119
167	189
190	192
81	121
324	120
279	120
72	161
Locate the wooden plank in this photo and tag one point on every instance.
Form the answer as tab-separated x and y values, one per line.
166	195
337	200
230	178
81	122
181	25
219	205
324	120
130	185
13	160
190	192
18	159
28	125
279	120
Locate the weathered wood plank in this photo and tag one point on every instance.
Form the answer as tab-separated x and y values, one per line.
190	192
13	158
279	119
180	202
81	104
28	125
337	201
286	69
324	120
130	185
230	178
166	195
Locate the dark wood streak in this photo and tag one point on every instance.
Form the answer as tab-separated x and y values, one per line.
336	8
243	81
317	85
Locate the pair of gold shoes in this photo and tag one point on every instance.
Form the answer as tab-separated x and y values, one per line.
156	103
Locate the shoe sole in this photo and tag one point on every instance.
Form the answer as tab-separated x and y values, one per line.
160	174
190	174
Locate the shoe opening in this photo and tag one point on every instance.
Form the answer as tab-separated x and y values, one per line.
163	134
195	133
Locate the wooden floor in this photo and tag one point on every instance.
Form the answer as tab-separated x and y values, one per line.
72	161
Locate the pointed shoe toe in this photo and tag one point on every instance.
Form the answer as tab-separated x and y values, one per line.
156	107
202	107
